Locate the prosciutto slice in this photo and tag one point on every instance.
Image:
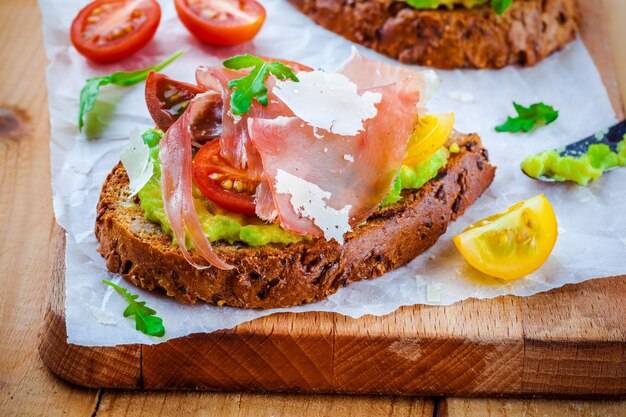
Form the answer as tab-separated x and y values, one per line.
236	147
176	186
368	73
353	173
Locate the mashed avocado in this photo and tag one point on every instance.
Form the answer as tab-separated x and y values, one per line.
581	169
434	4
220	224
416	176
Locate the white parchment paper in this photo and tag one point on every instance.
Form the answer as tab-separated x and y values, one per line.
592	220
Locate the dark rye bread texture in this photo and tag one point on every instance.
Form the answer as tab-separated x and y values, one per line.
527	32
286	275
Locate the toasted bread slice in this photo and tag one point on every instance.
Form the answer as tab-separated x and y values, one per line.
527	32
279	275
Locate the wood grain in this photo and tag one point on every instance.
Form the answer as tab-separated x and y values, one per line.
614	14
253	405
538	345
26	255
454	407
26	229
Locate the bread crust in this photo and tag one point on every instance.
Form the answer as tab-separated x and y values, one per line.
278	275
527	32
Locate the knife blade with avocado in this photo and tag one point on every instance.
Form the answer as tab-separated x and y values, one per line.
582	161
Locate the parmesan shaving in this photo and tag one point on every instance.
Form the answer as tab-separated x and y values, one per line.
328	101
136	160
308	200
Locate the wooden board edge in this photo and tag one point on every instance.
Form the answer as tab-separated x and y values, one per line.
323	365
596	39
93	367
100	367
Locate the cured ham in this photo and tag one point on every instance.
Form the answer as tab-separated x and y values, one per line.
322	169
176	185
358	171
236	146
368	73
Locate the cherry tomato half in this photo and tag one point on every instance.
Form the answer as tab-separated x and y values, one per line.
110	30
513	243
221	22
226	186
167	99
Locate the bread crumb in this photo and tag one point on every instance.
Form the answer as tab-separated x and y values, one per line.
461	96
433	293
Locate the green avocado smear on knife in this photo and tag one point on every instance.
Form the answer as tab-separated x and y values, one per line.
581	169
221	224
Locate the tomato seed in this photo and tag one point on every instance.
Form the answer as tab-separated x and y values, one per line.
227	185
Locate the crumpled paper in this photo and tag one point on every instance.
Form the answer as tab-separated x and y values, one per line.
592	224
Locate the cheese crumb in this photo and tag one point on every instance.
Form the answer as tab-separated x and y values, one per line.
308	200
433	293
461	96
328	101
136	160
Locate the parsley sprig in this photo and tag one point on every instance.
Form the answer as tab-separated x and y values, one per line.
146	320
529	118
90	91
252	86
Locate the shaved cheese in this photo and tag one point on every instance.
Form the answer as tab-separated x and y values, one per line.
328	101
308	200
136	160
101	316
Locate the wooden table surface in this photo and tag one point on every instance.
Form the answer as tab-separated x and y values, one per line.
27	227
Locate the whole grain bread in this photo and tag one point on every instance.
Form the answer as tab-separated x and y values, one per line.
278	275
527	32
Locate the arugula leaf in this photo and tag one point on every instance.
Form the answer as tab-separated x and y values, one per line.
529	118
90	91
500	6
146	320
252	86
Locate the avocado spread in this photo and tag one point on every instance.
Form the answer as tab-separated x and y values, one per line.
580	169
220	224
434	4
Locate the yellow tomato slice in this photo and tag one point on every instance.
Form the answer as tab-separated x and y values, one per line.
431	133
512	243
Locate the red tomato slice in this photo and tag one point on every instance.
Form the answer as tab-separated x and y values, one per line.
221	22
110	30
226	186
167	99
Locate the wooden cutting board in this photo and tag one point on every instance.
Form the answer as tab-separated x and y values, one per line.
566	342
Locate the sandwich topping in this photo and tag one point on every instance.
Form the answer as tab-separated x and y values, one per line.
499	6
293	153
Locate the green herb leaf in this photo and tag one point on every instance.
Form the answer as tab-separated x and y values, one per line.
500	6
90	91
423	4
146	320
252	86
529	118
